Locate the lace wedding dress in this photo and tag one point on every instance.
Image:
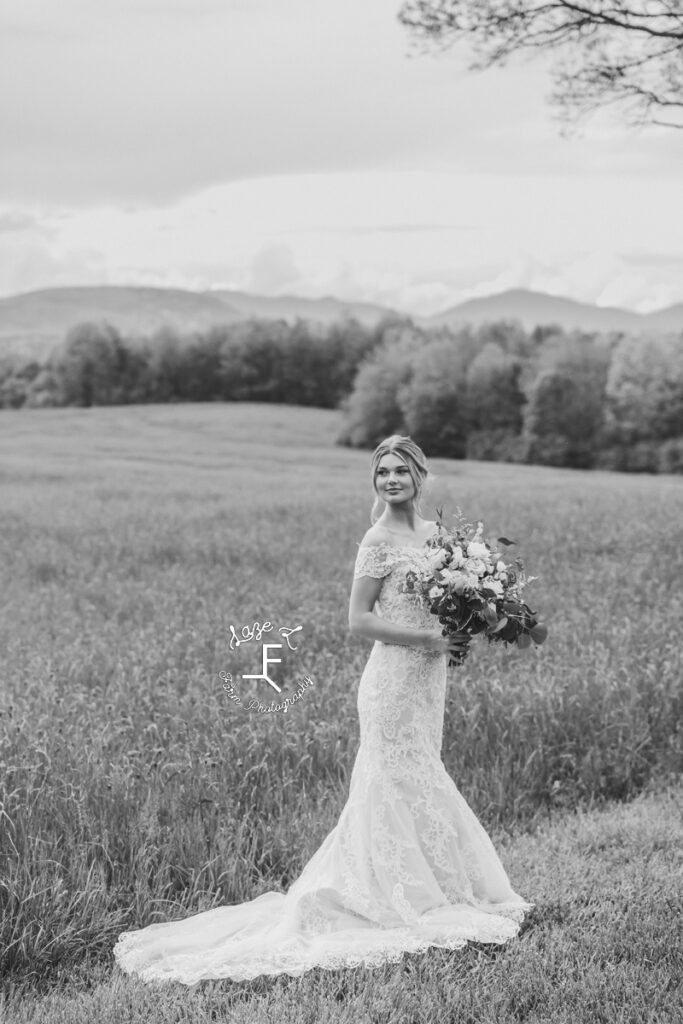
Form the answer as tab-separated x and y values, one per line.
407	866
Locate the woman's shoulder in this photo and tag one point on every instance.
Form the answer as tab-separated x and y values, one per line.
375	556
375	537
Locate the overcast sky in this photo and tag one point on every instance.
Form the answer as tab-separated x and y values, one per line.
294	147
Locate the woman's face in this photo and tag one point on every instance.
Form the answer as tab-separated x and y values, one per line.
393	481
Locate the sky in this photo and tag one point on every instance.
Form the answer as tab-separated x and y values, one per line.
307	148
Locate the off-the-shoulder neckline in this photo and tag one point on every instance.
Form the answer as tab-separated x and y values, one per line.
405	547
400	547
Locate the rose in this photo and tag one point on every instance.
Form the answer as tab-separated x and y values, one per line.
449	576
475	549
476	566
455	580
463	581
457	558
434	592
437	559
495	585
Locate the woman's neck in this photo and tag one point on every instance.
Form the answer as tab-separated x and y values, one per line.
408	522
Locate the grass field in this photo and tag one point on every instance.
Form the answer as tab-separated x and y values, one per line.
134	791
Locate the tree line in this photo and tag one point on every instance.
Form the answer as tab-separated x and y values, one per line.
492	392
304	363
549	396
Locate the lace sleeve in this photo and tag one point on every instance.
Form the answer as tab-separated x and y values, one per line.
372	561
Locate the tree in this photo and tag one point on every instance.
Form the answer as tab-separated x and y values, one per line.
16	380
508	335
372	410
628	52
435	401
495	396
644	389
563	417
348	343
44	389
92	365
495	399
166	365
306	371
201	381
263	355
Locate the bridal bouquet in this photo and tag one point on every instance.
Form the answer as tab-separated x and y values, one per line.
470	587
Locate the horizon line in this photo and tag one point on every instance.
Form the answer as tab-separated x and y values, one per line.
345	301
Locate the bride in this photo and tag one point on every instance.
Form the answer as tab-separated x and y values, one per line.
408	865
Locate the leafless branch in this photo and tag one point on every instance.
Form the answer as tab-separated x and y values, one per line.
620	50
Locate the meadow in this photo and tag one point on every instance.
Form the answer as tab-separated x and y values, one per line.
133	790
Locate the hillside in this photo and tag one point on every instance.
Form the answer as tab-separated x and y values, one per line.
669	319
289	307
534	308
33	323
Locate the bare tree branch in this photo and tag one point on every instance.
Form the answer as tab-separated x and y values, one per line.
617	52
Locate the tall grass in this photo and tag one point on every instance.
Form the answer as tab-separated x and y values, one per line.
132	790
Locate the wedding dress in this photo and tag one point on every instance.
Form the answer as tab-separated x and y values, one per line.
407	866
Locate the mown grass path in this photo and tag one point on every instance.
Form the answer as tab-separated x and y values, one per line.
603	945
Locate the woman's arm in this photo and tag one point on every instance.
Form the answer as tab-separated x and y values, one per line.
364	622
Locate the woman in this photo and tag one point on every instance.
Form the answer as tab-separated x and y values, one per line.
408	864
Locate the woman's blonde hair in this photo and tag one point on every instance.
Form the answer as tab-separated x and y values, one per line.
412	455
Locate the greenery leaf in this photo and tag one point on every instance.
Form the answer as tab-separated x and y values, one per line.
490	614
539	632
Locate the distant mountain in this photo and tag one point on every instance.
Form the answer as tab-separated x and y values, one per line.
34	323
289	307
534	308
668	319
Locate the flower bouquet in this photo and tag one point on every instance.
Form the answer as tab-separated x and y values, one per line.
470	587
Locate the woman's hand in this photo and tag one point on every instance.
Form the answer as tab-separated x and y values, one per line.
437	643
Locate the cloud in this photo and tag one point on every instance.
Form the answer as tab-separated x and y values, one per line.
18	220
273	269
417	242
195	8
377	229
654	259
600	277
29	261
150	101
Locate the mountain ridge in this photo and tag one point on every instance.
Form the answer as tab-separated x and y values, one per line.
33	323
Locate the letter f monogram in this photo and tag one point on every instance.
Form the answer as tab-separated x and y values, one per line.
266	662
